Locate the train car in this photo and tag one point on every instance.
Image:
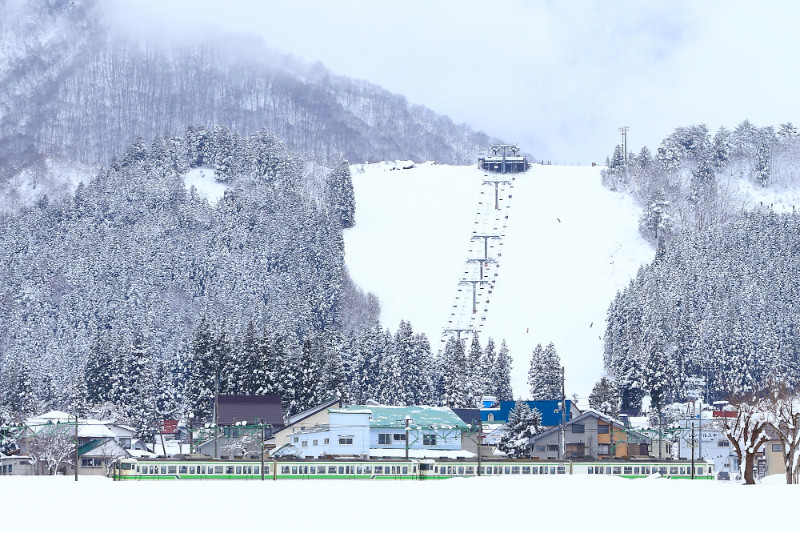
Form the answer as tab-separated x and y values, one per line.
161	469
430	469
343	469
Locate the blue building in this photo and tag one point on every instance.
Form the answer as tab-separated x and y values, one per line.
497	412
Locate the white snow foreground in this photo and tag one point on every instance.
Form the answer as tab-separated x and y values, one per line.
572	503
569	245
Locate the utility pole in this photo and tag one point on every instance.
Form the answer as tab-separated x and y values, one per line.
624	131
263	444
692	449
561	435
408	429
77	455
480	439
191	432
483	262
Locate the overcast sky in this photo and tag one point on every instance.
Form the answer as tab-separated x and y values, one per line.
559	77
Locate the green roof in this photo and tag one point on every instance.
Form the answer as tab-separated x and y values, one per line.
394	417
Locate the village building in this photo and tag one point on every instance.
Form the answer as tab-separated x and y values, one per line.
591	435
381	431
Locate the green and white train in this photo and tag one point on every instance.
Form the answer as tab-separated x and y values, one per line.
397	469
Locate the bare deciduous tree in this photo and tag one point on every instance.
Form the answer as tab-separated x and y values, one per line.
785	420
52	452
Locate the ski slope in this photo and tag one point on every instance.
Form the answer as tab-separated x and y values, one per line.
567	246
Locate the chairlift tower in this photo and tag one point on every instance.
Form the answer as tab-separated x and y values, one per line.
496	184
486	242
458	332
475	283
483	261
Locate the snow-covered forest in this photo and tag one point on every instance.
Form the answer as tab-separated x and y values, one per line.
72	88
136	288
717	303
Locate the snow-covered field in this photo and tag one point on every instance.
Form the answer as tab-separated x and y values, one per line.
493	504
570	245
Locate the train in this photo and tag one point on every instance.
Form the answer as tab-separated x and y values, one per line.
395	469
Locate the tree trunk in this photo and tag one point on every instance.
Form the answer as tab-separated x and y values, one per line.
749	460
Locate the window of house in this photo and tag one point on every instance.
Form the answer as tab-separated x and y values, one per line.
400	436
602	429
490	418
552	447
429	439
724	443
385	438
346	440
91	462
125	442
578	428
327	441
540	448
603	449
304	444
777	447
295	439
315	442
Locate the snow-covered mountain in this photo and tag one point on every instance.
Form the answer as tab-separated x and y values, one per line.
569	245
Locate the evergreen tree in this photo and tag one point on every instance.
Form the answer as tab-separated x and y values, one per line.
501	375
340	195
456	385
98	372
544	375
605	397
523	423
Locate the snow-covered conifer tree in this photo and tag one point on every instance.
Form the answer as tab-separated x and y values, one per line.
544	375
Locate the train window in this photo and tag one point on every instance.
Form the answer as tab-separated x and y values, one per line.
673	470
515	470
284	469
359	470
313	470
203	470
608	470
405	470
341	470
636	470
460	470
331	469
191	470
294	470
379	470
628	470
217	469
699	470
229	470
368	470
561	470
591	470
239	470
508	470
470	470
152	469
255	470
543	470
552	470
646	470
662	470
183	470
163	469
535	470
617	470
683	470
